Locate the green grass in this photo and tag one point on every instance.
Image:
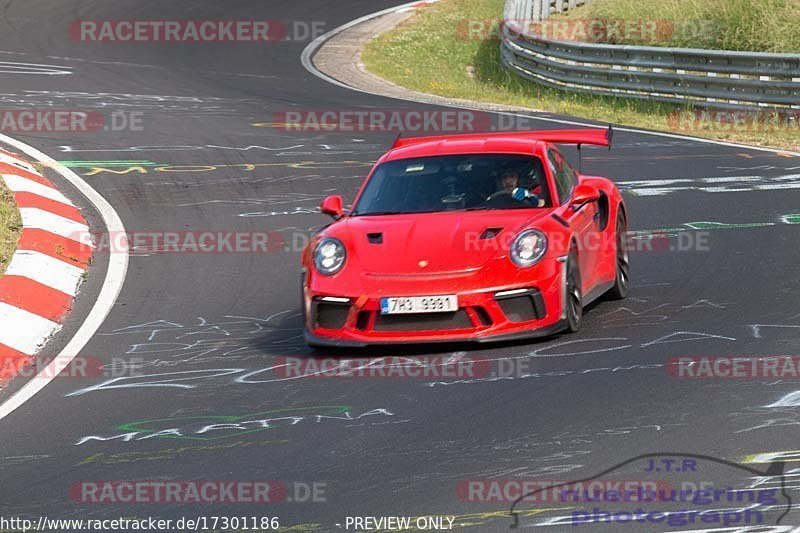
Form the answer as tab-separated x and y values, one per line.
429	53
750	25
10	226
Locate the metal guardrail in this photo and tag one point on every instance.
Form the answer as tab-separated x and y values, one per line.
539	9
709	78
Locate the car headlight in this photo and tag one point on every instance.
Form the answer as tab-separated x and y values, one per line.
528	248
329	256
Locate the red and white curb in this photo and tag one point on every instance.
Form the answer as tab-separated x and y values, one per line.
43	276
116	270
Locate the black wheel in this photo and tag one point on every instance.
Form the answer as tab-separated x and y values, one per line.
622	281
574	296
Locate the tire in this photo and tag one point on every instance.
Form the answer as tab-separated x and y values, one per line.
622	260
574	302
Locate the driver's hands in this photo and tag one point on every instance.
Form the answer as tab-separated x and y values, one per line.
521	194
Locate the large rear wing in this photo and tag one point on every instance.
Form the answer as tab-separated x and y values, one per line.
593	136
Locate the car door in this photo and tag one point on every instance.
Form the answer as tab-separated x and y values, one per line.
584	221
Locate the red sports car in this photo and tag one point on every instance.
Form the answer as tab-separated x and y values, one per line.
477	237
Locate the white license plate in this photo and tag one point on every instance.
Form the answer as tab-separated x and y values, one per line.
419	304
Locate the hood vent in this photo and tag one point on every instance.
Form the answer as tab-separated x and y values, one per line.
491	233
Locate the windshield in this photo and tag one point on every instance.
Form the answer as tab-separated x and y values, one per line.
455	182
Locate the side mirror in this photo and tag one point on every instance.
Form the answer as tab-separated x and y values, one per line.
584	194
332	205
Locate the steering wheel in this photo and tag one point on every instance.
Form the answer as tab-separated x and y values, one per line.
502	199
497	194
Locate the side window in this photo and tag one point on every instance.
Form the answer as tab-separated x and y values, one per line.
564	175
572	175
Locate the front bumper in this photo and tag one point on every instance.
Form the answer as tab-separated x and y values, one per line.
315	340
525	310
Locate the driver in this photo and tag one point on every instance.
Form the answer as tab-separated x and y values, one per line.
509	183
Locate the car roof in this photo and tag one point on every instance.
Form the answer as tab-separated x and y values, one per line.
465	145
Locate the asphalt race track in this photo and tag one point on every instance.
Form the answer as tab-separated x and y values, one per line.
210	327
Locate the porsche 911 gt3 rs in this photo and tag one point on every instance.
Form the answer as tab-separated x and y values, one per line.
476	237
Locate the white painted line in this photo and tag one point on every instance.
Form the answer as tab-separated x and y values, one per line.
306	58
24	331
34	218
5	158
16	63
776	186
112	285
17	183
9	67
46	270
